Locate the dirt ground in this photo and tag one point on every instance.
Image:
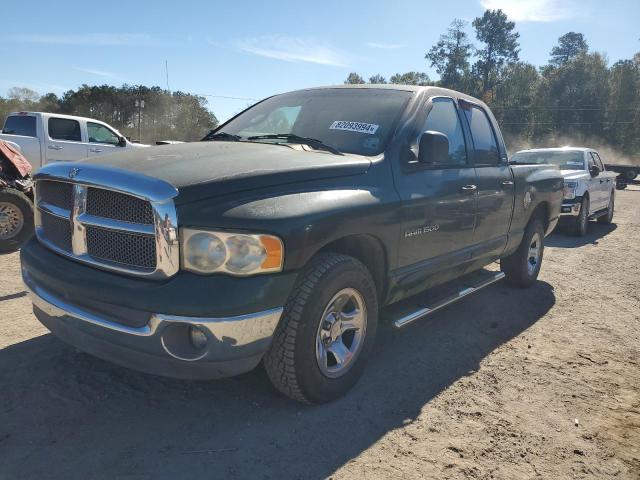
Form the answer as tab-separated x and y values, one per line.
538	383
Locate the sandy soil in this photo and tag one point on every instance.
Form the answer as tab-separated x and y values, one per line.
541	383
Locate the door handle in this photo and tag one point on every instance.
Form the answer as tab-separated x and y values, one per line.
95	150
54	147
469	188
601	181
507	183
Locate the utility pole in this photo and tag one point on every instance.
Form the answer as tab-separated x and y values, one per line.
139	105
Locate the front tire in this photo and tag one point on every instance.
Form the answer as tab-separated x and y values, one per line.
522	267
16	220
327	330
579	225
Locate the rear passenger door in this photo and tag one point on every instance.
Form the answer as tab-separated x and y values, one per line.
65	140
495	193
438	201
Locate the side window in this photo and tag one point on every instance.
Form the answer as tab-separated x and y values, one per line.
484	138
101	134
443	118
598	161
24	125
64	129
591	161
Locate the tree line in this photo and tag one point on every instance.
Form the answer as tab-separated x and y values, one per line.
141	113
576	97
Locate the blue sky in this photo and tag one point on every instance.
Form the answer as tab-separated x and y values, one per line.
251	49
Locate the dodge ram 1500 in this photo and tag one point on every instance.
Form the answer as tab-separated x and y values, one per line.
280	237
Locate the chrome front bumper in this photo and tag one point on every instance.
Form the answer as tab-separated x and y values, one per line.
570	209
233	345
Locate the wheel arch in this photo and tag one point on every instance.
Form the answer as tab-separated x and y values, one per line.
543	212
369	250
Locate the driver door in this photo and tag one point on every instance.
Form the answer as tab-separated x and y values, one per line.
102	140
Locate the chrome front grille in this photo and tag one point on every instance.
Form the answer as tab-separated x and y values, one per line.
118	206
59	194
58	230
132	231
122	247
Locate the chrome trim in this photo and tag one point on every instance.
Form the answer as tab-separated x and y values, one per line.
423	312
55	211
239	331
111	178
79	231
573	211
158	193
119	225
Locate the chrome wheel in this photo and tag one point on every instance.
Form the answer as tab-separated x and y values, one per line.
341	333
11	220
535	249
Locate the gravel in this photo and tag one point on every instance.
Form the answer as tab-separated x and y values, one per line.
506	384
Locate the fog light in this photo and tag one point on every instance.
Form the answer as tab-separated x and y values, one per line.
198	338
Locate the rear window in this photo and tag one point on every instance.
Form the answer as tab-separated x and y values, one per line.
20	125
64	129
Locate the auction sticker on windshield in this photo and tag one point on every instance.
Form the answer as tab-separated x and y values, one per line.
359	127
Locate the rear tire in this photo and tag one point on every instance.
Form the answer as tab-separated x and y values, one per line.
579	225
300	361
16	220
522	267
608	217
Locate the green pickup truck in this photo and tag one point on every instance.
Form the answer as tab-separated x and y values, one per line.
280	237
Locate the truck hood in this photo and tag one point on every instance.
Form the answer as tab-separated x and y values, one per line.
575	175
206	169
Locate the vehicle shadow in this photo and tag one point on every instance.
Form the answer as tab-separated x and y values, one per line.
562	239
64	414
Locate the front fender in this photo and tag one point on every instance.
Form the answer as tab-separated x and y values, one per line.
305	220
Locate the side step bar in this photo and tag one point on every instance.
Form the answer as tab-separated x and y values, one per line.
423	312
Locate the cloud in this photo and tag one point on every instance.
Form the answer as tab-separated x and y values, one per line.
89	39
533	10
94	71
384	46
291	49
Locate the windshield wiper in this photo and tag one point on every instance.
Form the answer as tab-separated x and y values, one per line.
293	138
211	136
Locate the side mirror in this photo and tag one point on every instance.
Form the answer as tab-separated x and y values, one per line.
122	142
594	170
433	148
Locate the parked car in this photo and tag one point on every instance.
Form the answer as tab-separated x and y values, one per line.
626	174
281	237
50	137
589	189
16	198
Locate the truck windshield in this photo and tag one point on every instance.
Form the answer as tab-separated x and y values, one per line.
359	121
565	160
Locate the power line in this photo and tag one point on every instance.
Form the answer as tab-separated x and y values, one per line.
227	97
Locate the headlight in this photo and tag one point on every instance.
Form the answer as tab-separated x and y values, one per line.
569	190
233	253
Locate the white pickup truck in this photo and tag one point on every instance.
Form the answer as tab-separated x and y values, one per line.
589	189
49	137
